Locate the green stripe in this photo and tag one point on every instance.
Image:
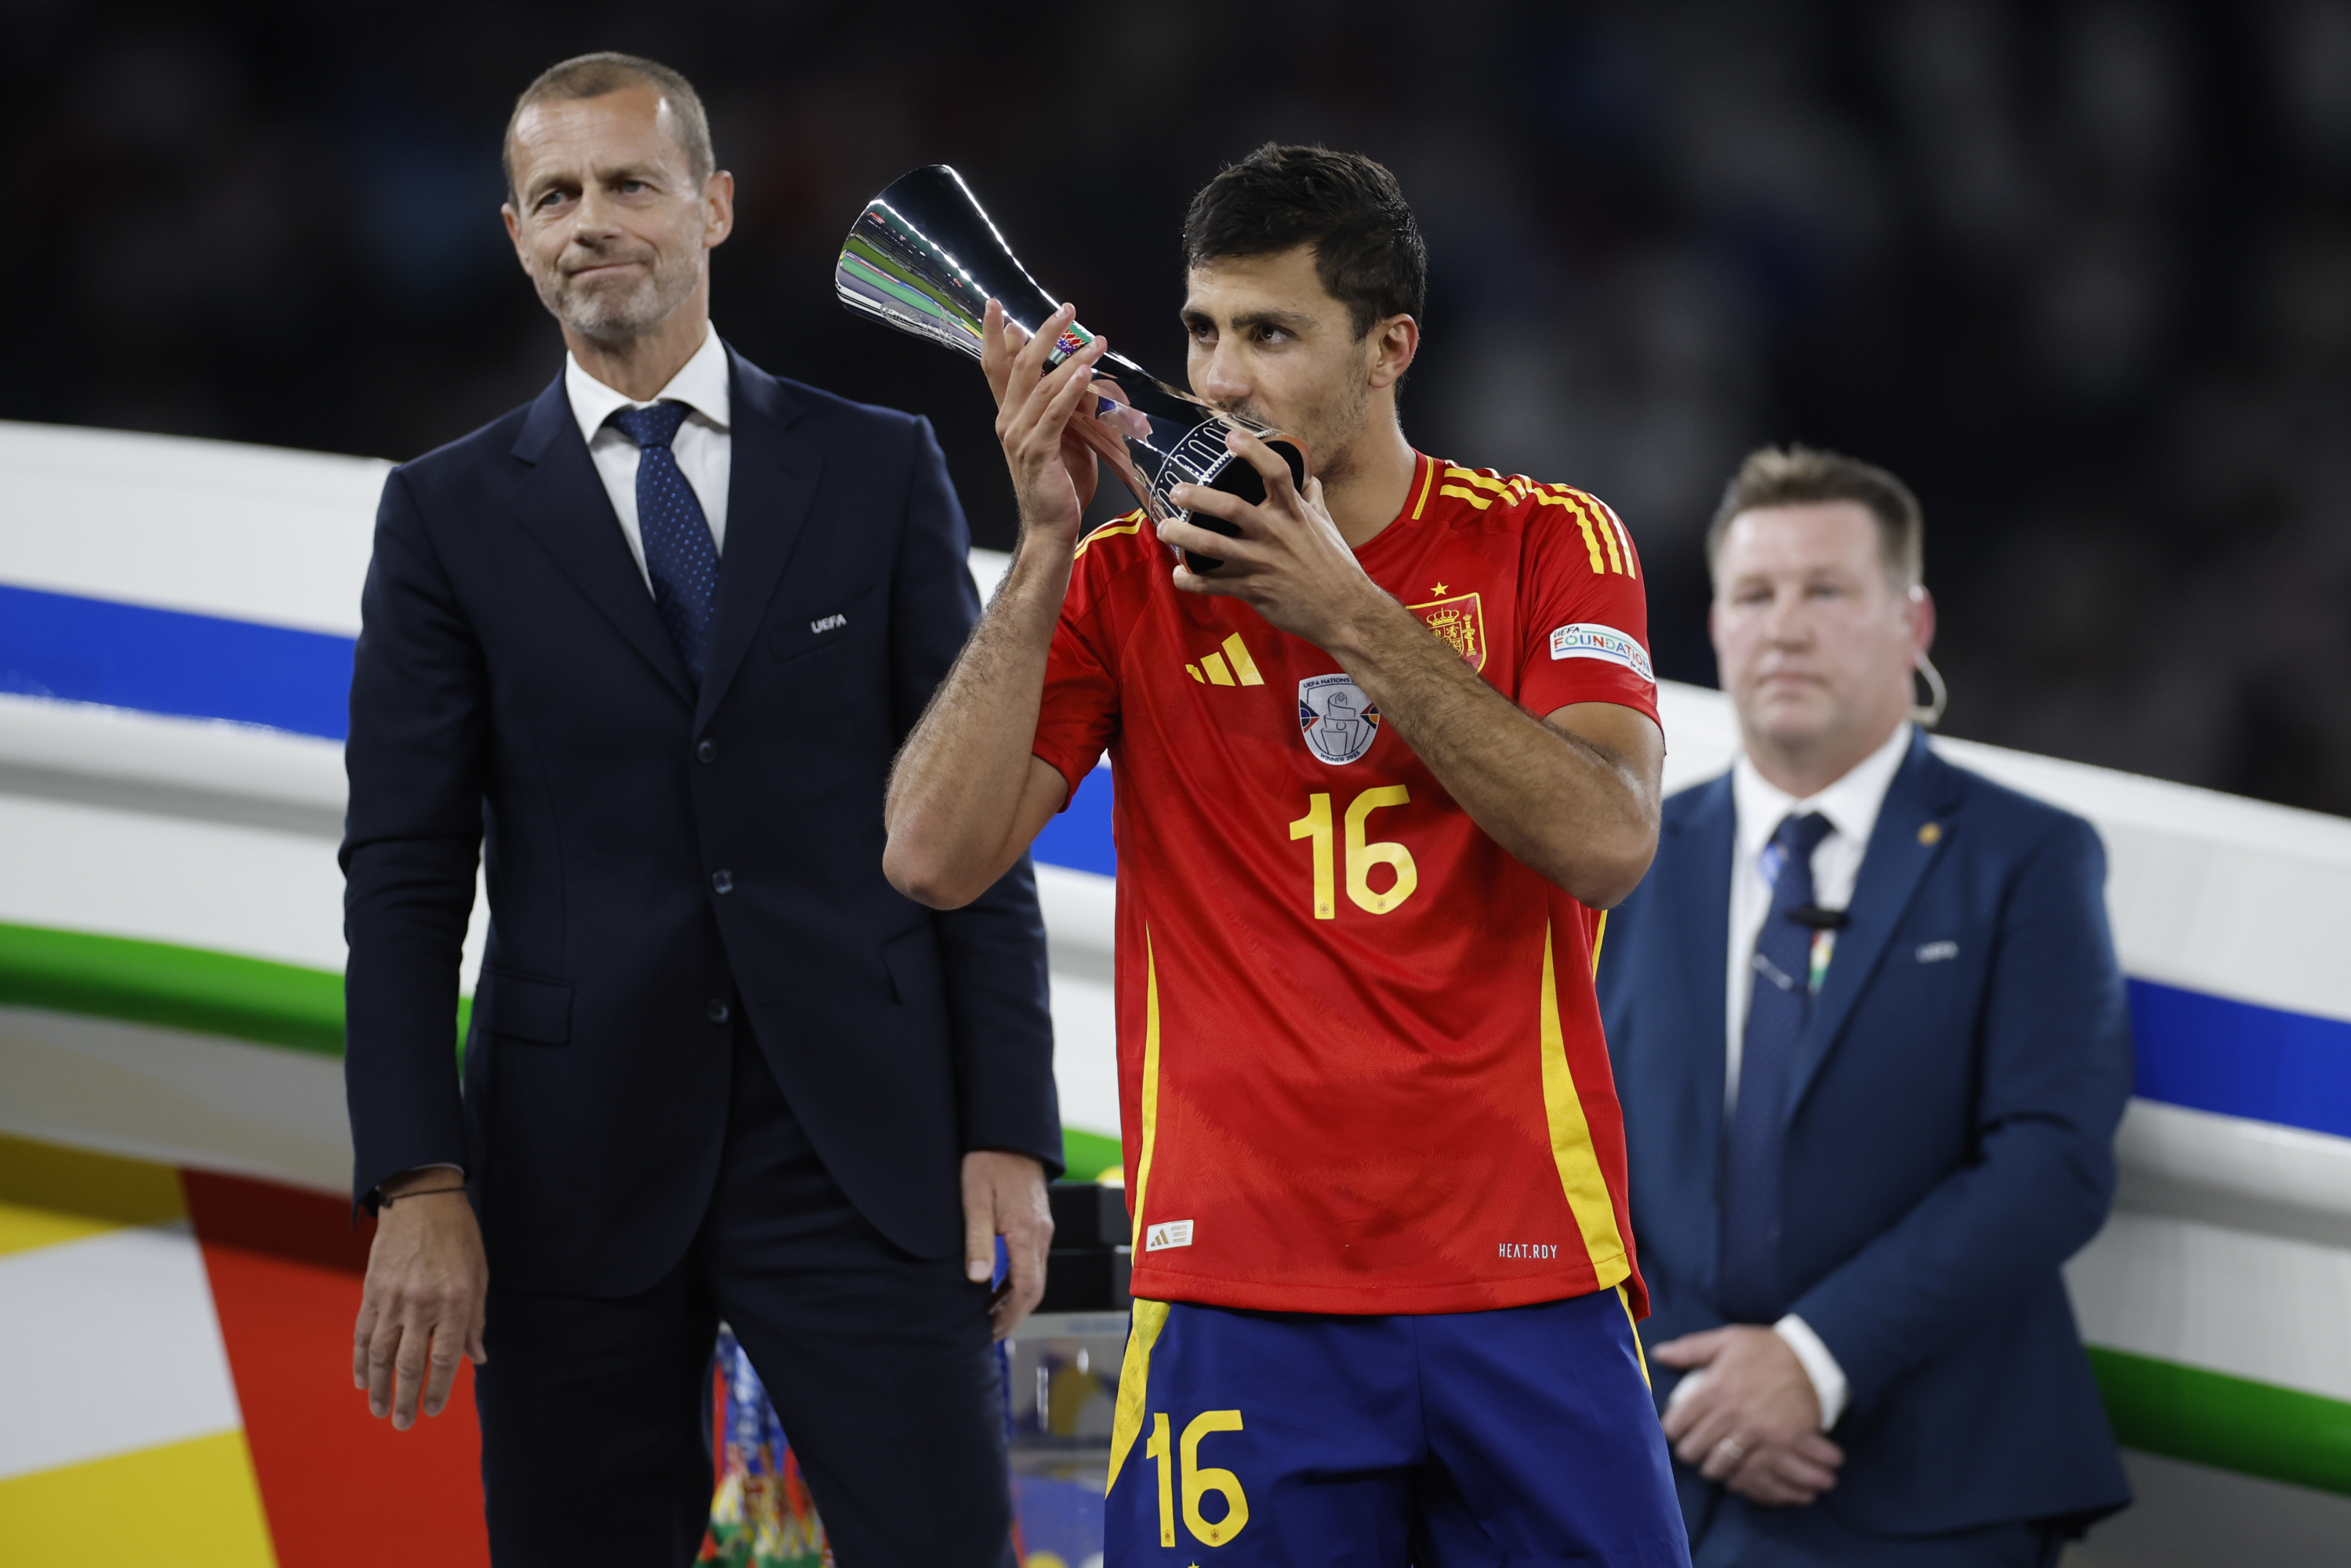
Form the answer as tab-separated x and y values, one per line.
179	987
251	1000
2233	1423
2159	1406
1089	1155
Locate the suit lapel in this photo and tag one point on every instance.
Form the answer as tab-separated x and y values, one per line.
770	487
1900	852
1694	903
562	504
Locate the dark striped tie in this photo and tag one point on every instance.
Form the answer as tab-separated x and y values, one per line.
679	555
1778	1001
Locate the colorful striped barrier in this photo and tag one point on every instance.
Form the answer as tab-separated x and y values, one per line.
176	626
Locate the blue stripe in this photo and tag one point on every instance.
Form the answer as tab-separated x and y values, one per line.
72	648
2206	1053
2240	1058
1080	838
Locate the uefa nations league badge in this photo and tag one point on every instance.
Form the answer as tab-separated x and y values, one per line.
1338	721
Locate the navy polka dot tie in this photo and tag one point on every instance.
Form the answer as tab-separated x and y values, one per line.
1777	1009
679	556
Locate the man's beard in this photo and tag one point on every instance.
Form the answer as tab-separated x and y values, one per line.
612	315
1330	430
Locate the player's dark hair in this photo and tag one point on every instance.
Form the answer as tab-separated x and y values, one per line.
1367	246
607	70
1804	477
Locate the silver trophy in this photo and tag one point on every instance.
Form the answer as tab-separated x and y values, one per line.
926	259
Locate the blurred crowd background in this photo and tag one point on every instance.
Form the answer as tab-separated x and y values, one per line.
2080	270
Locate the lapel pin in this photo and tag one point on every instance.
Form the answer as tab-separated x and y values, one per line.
1931	833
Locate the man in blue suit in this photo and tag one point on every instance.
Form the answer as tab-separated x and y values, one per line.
648	645
1869	1034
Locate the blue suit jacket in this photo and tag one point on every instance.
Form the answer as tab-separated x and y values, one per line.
1950	1138
517	697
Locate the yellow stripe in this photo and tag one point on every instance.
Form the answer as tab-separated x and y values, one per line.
1149	1316
1194	671
1631	567
1108	531
1475	499
1599	935
1219	675
1584	511
50	1194
1150	1084
1425	481
1482	481
1591	540
1625	1300
1133	1383
193	1504
1243	665
1570	1142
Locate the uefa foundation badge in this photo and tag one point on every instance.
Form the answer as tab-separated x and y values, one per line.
1337	719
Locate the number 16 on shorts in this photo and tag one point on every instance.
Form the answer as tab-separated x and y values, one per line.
1179	1462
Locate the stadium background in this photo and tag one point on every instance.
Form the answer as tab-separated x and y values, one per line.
2081	271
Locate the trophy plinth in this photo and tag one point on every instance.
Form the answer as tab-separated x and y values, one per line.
926	259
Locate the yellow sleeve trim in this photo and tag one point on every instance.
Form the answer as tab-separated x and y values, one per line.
1130	524
1428	478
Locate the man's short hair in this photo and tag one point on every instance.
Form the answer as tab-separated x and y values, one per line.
1367	246
1805	476
593	76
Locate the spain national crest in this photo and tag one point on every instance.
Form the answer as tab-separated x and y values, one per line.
1461	622
1338	721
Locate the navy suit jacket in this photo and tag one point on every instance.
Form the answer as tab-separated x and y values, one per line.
1949	1140
517	698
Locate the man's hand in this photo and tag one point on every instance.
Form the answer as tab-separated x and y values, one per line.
1004	1195
1289	563
425	1300
1750	1418
1053	470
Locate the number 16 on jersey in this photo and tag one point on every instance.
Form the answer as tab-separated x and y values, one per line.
1362	853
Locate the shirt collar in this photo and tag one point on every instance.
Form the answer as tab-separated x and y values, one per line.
700	384
1851	804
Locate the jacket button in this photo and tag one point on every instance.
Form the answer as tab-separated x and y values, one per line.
706	751
720	1013
724	880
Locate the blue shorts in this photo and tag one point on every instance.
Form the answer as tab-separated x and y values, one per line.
1523	1435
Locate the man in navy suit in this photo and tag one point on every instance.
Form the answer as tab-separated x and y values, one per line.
1870	1038
647	645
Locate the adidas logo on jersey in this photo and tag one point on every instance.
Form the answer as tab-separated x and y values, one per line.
1232	667
1167	1233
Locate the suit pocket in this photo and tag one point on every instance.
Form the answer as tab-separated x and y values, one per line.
536	1010
831	621
913	961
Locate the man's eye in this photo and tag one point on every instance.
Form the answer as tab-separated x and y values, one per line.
631	187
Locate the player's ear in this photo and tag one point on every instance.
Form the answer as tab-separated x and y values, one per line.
1393	344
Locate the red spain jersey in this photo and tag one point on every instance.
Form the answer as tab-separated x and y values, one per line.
1360	1060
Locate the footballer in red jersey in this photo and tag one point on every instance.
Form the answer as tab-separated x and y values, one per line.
1378	777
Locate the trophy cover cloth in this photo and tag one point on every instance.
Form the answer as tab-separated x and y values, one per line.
1361	1067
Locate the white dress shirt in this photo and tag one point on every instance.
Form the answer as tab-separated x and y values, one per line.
1760	806
703	446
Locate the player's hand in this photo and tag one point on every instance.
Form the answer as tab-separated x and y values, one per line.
1748	1416
1290	564
1004	1195
1054	472
425	1303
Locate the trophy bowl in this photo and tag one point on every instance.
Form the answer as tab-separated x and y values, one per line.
926	258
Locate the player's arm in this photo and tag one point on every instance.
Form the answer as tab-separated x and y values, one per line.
966	795
1574	794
